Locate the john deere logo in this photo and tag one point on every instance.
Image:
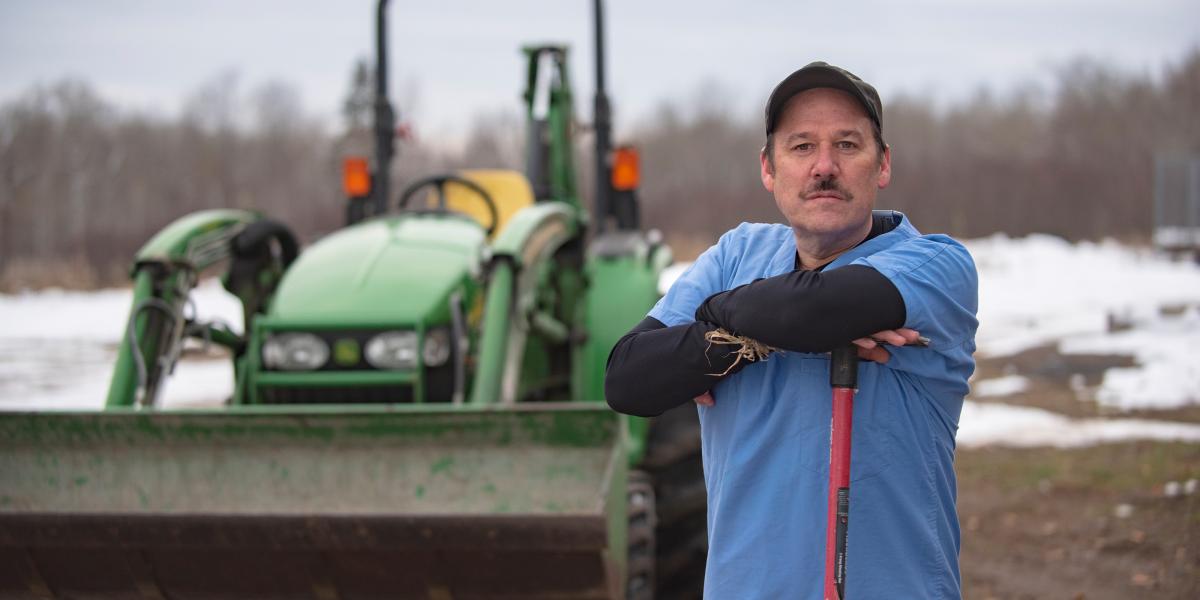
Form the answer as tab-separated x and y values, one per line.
346	352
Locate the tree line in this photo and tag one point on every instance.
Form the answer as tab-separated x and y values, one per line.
1078	164
83	184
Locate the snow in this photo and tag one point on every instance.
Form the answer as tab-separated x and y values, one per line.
56	347
999	386
668	276
98	316
1040	289
194	384
197	384
998	424
1166	350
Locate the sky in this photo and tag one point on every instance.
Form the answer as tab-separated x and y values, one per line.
455	59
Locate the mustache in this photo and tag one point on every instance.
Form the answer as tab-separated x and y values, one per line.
828	185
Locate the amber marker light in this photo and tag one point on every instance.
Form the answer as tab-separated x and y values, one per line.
356	177
625	172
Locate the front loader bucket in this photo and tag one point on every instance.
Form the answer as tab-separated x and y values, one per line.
388	502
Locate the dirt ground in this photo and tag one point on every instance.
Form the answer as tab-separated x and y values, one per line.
1094	523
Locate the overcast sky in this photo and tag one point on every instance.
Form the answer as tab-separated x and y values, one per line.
457	58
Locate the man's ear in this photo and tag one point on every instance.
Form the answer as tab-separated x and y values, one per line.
767	170
885	168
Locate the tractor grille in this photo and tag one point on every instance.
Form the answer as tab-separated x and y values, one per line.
381	394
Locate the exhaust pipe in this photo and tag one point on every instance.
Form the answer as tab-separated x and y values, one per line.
385	118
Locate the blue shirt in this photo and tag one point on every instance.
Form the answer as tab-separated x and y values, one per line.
766	440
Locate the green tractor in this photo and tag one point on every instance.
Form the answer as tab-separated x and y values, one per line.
418	409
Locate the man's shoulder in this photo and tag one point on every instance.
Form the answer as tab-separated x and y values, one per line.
917	249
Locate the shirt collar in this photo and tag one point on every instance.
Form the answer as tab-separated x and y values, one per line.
902	231
784	260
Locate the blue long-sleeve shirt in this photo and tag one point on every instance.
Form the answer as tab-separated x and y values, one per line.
766	440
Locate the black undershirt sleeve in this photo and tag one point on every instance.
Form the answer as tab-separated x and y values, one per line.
655	368
808	311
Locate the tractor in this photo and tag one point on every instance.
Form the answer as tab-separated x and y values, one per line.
418	406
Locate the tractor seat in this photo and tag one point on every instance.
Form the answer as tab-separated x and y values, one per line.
509	189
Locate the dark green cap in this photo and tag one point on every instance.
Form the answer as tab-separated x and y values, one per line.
821	74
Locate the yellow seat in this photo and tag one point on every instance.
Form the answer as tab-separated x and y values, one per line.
509	189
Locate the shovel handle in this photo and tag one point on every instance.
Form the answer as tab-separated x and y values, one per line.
843	367
843	377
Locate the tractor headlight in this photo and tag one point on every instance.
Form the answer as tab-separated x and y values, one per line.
393	350
436	350
295	352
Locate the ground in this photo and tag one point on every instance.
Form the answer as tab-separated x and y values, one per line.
1091	523
1047	523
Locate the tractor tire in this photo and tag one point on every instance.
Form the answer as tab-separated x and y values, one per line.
640	568
673	462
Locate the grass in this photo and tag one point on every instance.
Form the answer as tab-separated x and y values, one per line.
1111	468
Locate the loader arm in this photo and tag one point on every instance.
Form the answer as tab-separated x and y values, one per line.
164	273
530	239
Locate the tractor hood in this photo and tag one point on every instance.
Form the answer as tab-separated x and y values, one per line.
389	271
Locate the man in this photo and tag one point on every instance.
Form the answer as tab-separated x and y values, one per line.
837	272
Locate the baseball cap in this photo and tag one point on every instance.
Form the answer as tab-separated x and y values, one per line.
821	74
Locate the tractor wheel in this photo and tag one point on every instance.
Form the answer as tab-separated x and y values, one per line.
640	494
673	462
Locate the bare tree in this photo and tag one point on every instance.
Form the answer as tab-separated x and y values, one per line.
83	185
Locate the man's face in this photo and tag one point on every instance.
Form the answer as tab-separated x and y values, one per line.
827	168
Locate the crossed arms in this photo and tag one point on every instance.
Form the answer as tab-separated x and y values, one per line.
654	368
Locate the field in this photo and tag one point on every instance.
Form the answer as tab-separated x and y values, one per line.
1090	523
1096	522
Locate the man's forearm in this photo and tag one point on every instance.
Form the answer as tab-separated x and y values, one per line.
655	368
809	311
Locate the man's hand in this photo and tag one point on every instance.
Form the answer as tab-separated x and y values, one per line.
871	347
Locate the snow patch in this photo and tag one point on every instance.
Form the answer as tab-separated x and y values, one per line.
1165	348
1040	289
999	386
1003	425
101	315
57	349
199	384
667	278
196	383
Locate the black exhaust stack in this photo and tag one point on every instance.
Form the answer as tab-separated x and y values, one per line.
619	205
603	126
385	119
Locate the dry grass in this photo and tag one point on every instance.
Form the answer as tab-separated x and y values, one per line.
686	247
71	274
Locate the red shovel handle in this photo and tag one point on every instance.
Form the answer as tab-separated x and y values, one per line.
843	377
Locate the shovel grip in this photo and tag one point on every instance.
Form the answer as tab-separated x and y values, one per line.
843	367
